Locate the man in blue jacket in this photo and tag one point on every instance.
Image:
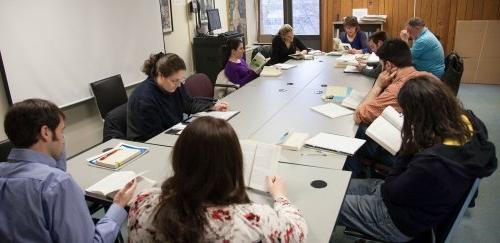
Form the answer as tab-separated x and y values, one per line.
427	52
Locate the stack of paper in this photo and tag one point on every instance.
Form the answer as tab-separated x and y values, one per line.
374	18
335	143
332	110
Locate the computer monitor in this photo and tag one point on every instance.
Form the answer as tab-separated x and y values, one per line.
213	20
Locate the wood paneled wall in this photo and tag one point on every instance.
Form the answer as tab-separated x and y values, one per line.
440	15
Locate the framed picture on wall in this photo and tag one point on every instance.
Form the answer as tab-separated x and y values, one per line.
204	5
166	16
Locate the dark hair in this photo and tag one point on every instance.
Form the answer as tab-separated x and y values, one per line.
24	120
416	22
231	44
378	36
163	64
351	21
396	51
432	113
208	171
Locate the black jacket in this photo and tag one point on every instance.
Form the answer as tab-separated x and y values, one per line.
423	189
152	110
280	53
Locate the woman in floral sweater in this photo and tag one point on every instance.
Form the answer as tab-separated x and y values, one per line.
205	200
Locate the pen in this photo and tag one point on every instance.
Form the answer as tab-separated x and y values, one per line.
283	137
107	155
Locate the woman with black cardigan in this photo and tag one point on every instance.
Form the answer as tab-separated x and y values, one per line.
284	44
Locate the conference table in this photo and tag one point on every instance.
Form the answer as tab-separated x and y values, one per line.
272	106
269	107
320	206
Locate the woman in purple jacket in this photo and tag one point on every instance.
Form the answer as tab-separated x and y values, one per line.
235	66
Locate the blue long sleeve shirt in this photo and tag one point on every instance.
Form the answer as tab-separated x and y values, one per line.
360	41
427	53
40	202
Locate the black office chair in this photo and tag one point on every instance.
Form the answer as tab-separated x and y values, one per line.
115	124
5	147
454	68
265	50
200	85
109	93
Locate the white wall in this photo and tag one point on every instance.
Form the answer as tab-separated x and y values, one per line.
83	123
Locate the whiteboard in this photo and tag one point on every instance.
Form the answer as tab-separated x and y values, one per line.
53	49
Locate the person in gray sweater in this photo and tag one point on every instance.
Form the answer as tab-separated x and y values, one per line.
374	42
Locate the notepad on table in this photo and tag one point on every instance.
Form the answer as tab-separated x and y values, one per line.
332	110
259	160
386	130
118	156
335	143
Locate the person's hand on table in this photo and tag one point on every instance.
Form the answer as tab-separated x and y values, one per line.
220	106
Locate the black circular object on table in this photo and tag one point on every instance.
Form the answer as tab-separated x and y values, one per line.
318	184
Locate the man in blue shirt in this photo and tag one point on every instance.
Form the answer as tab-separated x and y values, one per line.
39	201
427	52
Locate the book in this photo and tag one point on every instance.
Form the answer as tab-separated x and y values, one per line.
284	66
351	69
225	115
270	71
295	141
118	156
112	183
258	61
335	53
259	160
332	110
335	143
301	56
386	130
354	99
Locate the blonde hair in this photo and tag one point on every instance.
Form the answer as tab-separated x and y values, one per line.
284	30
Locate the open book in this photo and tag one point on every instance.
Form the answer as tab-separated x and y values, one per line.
112	183
225	115
117	157
354	99
258	61
332	110
270	71
386	130
301	56
335	143
260	160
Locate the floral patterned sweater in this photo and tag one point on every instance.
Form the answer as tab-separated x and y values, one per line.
234	223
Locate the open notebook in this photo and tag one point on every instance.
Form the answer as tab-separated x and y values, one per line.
260	160
335	143
386	130
117	157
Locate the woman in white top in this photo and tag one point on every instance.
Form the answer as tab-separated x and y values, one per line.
205	200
